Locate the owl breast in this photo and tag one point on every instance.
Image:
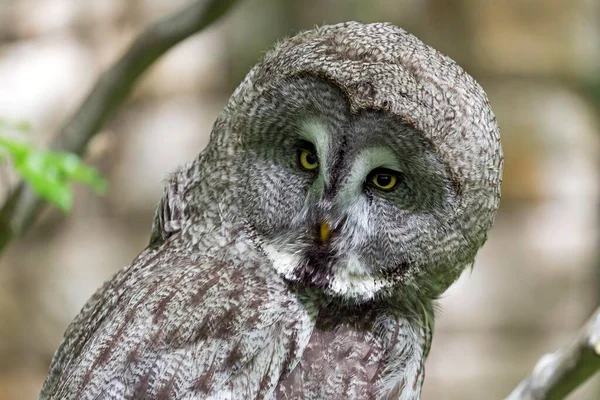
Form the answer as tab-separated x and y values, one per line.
357	354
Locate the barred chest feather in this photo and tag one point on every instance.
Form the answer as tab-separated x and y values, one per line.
175	325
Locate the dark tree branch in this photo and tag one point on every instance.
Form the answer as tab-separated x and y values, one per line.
557	374
22	206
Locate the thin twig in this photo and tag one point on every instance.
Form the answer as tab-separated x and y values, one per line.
22	207
557	374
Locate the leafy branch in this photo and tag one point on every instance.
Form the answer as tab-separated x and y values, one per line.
49	173
22	207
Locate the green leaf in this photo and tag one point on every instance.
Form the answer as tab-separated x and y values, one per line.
46	179
50	173
75	170
15	148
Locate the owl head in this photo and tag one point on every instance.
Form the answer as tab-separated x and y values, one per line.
365	163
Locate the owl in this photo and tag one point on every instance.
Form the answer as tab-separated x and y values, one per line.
351	178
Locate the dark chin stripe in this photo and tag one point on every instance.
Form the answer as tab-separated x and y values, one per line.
398	272
316	266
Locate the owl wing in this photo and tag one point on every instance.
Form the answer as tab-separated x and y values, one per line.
174	326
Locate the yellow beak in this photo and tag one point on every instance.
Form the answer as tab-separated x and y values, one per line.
324	231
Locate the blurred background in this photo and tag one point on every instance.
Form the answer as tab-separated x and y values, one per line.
536	280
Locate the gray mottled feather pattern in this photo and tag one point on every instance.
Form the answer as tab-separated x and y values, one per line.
235	299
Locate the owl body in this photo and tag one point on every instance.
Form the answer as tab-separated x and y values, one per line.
350	179
178	325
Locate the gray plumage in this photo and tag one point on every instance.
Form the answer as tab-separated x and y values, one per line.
238	295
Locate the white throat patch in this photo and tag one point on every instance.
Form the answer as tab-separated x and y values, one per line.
350	279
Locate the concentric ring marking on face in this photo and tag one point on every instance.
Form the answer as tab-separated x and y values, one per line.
365	162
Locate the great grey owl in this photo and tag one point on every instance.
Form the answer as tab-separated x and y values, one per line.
350	179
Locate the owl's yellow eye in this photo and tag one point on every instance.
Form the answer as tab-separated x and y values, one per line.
308	160
384	180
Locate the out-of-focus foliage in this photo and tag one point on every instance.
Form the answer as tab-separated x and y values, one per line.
49	173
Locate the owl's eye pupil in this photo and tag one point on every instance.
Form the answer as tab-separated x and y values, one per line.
384	180
311	159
